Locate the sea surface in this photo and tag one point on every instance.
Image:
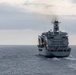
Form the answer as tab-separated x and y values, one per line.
24	60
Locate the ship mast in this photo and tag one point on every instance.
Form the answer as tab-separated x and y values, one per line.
56	26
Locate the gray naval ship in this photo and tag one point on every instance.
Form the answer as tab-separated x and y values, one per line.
54	43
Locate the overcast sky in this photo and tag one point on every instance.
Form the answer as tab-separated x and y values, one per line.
21	21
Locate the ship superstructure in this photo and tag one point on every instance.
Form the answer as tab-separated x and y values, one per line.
54	43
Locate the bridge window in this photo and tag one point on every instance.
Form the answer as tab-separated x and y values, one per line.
40	49
64	37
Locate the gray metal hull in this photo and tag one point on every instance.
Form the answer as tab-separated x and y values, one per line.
49	53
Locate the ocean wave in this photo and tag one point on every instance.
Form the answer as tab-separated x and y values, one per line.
70	58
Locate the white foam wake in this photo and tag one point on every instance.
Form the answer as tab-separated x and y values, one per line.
56	58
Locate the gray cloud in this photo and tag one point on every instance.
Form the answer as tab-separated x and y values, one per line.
27	3
13	18
72	1
68	23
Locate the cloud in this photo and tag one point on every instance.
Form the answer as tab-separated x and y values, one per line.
68	24
38	4
17	18
12	1
41	7
73	1
57	7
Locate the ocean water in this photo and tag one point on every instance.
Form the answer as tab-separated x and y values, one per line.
24	60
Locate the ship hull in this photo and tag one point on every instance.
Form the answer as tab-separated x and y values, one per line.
54	53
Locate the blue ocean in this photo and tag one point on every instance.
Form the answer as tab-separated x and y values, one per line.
24	60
